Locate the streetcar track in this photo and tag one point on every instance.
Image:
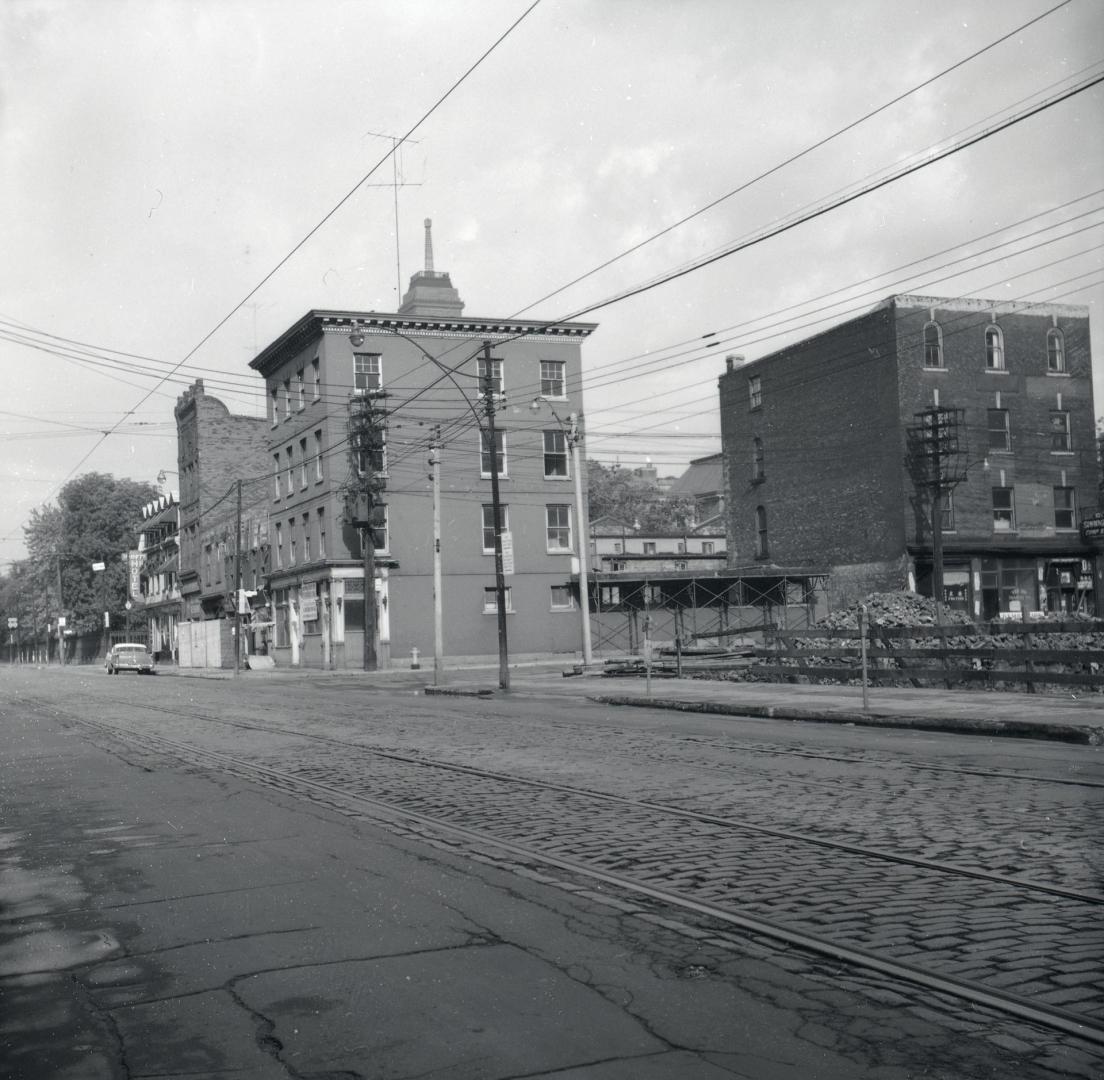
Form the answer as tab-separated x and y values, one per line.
666	808
976	992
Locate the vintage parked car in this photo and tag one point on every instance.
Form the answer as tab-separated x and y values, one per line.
127	657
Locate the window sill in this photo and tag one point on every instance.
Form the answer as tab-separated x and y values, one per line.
557	479
558	551
996	371
941	368
1059	375
1061	453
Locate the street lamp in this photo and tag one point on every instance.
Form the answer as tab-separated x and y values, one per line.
574	440
101	568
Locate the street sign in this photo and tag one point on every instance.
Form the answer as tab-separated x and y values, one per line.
507	553
61	621
99	566
13	623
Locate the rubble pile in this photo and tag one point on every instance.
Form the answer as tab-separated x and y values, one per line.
888	614
893	609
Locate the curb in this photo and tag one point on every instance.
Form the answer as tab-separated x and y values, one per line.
457	691
1019	729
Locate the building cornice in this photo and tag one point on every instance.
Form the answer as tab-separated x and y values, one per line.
315	323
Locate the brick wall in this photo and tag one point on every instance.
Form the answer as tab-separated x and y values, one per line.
832	450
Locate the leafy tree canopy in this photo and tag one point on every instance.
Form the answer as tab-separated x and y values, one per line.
624	496
96	519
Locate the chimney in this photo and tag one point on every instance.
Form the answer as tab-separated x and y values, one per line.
731	360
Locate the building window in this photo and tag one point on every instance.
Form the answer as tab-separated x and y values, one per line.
381	534
367	372
276	475
287	399
490	600
1056	351
757	476
1060	440
1004	509
994	348
552	378
321	533
279	545
617	549
933	345
555	454
291	542
300	399
289	483
761	547
319	473
497	383
485	464
207	564
946	512
1065	508
488	526
755	392
1000	433
303	463
561	598
707	547
649	547
275	403
316	377
558	527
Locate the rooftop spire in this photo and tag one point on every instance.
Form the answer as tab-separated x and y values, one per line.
429	245
431	291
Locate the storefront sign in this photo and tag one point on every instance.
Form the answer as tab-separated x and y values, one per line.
308	608
1092	527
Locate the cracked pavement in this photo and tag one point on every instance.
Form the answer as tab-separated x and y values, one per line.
160	920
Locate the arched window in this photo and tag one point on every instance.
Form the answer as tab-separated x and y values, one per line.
757	460
1056	351
994	348
761	548
933	345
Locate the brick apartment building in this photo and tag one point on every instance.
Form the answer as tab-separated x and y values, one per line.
158	563
815	439
215	449
398	361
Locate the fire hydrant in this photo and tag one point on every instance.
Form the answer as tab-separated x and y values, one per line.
415	663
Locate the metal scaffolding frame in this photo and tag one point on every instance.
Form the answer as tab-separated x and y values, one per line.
626	607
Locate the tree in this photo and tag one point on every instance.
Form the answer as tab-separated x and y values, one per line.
634	500
95	520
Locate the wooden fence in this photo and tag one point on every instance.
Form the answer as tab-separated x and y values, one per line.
1002	654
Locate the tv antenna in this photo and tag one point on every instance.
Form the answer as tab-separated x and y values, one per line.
398	180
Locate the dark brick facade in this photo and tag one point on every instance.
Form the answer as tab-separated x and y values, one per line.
216	448
831	477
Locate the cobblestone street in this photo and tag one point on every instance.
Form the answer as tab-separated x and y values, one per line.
968	859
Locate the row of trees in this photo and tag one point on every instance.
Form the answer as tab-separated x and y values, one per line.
625	496
95	519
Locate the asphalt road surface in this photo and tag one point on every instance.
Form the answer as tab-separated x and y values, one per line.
321	878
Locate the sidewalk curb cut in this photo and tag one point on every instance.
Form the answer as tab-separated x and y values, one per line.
1020	729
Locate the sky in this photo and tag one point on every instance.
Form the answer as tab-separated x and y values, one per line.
183	179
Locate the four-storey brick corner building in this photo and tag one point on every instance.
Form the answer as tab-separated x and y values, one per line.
421	370
215	449
817	453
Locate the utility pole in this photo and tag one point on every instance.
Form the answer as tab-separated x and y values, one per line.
438	636
61	612
936	461
496	504
366	447
576	437
237	587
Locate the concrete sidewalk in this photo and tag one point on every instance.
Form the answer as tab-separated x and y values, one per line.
1076	717
1067	717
